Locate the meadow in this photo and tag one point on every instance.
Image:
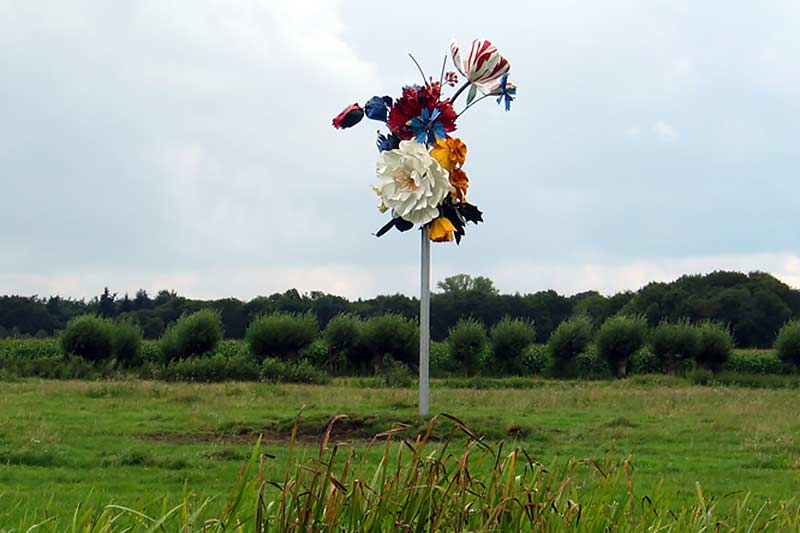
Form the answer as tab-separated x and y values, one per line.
65	444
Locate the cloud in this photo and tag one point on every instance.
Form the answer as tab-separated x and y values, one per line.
613	277
665	132
189	142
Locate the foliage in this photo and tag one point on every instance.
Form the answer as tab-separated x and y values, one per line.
395	374
618	339
536	359
569	339
716	345
674	343
756	362
467	344
281	335
755	306
393	335
275	370
343	337
126	342
211	369
88	336
787	343
509	339
192	335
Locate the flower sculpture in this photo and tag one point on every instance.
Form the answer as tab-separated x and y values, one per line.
421	178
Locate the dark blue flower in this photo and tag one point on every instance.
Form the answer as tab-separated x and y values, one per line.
388	142
378	107
505	90
426	127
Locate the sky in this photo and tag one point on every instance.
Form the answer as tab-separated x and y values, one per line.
187	145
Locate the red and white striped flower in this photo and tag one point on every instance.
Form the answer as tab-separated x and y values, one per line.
484	66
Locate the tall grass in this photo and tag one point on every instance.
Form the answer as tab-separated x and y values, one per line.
458	484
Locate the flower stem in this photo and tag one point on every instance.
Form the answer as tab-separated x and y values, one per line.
459	91
473	103
424	80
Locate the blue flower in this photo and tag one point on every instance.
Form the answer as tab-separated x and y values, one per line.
388	142
505	90
378	107
426	127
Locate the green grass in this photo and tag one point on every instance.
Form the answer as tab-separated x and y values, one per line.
135	442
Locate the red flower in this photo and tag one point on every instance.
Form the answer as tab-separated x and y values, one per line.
349	117
414	100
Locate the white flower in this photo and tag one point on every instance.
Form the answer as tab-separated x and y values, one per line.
411	182
483	66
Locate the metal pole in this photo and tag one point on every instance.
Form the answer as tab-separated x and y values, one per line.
424	324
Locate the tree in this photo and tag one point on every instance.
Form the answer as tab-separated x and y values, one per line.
619	338
106	305
461	283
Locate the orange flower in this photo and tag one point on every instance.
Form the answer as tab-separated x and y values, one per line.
441	230
449	152
458	179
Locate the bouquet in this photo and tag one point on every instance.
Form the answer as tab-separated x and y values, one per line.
421	176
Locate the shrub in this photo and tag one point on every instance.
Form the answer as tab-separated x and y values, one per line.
756	362
644	361
674	343
87	336
442	362
126	342
274	370
567	341
281	335
618	339
716	345
787	343
343	337
536	358
396	374
390	334
192	335
467	344
510	337
213	369
589	365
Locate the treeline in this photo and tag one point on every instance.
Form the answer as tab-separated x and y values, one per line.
753	305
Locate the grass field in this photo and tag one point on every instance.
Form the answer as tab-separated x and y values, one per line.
130	441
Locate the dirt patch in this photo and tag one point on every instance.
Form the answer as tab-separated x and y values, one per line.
310	431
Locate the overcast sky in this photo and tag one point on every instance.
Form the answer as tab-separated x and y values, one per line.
188	144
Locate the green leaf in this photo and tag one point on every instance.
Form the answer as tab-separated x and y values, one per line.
473	91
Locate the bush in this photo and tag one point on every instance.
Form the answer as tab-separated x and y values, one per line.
396	374
343	337
674	343
192	335
281	335
536	358
510	337
644	361
390	334
787	343
589	365
756	362
87	336
567	341
126	343
213	369
442	362
467	344
274	370
30	348
618	339
716	345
